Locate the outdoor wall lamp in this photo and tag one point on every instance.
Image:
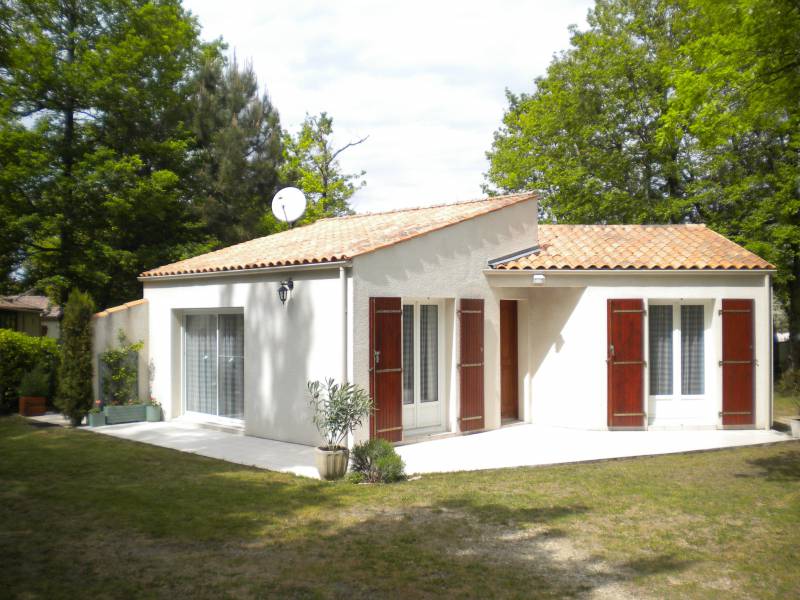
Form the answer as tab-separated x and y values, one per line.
283	291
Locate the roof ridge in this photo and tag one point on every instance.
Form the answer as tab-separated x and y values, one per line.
440	205
615	225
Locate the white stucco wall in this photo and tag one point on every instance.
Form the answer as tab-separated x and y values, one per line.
445	265
284	345
566	329
132	318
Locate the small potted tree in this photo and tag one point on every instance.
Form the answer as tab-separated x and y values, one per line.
338	410
153	410
33	390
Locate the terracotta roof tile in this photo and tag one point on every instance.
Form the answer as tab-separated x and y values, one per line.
336	239
634	247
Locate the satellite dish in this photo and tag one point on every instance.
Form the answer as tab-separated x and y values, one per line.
288	205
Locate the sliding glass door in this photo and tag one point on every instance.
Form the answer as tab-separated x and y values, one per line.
214	364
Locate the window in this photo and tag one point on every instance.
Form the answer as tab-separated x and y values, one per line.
676	346
8	320
214	364
421	368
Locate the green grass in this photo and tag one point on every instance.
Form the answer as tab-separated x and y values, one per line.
85	515
785	405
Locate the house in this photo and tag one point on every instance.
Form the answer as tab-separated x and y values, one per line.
464	317
30	313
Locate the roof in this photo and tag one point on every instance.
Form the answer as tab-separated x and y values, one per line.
27	302
667	247
338	238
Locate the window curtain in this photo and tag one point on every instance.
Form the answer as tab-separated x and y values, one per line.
231	366
201	363
692	352
660	335
429	352
408	354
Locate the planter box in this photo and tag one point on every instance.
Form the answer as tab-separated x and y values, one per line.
96	419
153	413
795	426
32	406
127	413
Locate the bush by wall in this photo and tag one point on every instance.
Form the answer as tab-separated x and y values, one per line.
19	354
376	461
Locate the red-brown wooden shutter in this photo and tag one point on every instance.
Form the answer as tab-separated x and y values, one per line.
738	362
470	364
625	359
386	368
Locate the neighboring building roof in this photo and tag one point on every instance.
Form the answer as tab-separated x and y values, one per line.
31	303
337	239
665	247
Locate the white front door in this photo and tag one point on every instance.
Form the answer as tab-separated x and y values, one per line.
422	366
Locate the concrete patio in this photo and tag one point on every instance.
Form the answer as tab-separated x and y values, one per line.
512	446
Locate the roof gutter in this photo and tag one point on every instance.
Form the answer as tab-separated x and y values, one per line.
601	272
258	271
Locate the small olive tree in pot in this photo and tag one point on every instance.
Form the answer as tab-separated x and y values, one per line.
338	410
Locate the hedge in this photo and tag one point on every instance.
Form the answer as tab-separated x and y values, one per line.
20	353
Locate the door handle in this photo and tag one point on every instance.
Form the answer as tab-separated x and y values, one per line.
377	354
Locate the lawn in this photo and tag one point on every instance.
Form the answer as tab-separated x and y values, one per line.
85	515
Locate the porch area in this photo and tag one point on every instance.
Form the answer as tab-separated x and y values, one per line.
511	446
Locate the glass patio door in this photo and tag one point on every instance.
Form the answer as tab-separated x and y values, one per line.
422	404
214	364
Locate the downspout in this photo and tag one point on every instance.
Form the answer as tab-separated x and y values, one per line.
771	371
343	286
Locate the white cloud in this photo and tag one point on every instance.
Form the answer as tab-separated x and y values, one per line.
425	80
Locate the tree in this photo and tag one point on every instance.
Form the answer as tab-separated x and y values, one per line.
74	395
587	135
94	143
240	149
312	163
670	111
737	92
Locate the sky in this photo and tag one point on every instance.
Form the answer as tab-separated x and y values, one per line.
424	80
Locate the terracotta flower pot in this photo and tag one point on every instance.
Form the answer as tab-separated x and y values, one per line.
332	464
32	406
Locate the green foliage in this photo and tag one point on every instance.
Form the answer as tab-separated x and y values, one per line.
338	409
36	382
94	144
240	149
122	371
669	112
376	461
312	164
789	384
74	396
20	354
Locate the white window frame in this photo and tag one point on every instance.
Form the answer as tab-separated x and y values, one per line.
201	416
417	303
677	329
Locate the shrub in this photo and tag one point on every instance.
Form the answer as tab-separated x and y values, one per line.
20	354
789	384
74	396
121	366
338	409
36	382
377	461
